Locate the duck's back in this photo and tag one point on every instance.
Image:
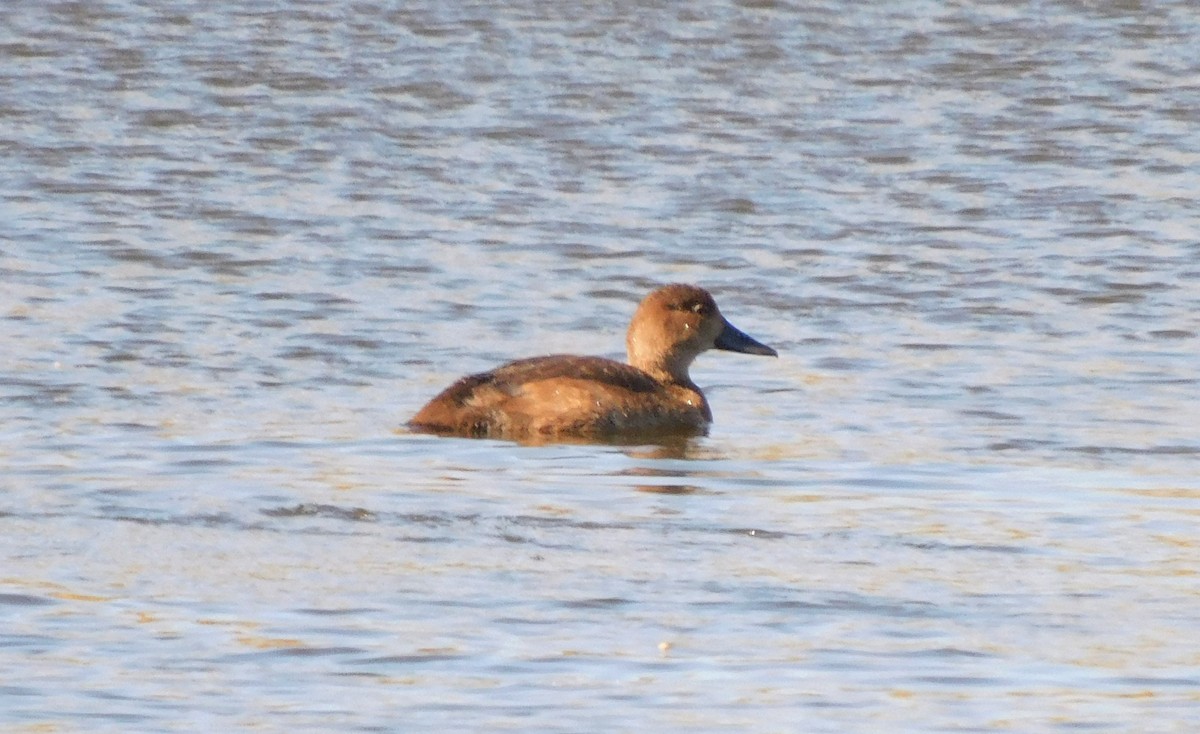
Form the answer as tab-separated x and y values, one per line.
563	395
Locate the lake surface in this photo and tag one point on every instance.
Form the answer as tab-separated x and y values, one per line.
240	246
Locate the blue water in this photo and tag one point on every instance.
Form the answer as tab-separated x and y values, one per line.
241	246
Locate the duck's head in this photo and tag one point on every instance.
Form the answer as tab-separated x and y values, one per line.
677	322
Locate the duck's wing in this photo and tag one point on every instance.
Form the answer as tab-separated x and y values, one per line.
512	398
512	377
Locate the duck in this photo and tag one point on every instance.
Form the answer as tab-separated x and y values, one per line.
575	397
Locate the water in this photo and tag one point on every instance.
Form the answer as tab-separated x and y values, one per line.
240	246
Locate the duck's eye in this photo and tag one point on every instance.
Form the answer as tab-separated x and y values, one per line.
694	306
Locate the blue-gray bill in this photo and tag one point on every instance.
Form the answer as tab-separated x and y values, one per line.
732	339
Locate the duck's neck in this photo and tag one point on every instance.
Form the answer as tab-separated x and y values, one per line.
666	368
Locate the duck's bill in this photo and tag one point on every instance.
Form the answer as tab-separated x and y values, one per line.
731	339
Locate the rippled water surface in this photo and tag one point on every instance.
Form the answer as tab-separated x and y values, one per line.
241	243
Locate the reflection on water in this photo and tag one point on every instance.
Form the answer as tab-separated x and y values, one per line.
243	244
670	476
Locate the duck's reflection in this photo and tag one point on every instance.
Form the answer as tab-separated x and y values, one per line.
668	449
668	488
666	462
